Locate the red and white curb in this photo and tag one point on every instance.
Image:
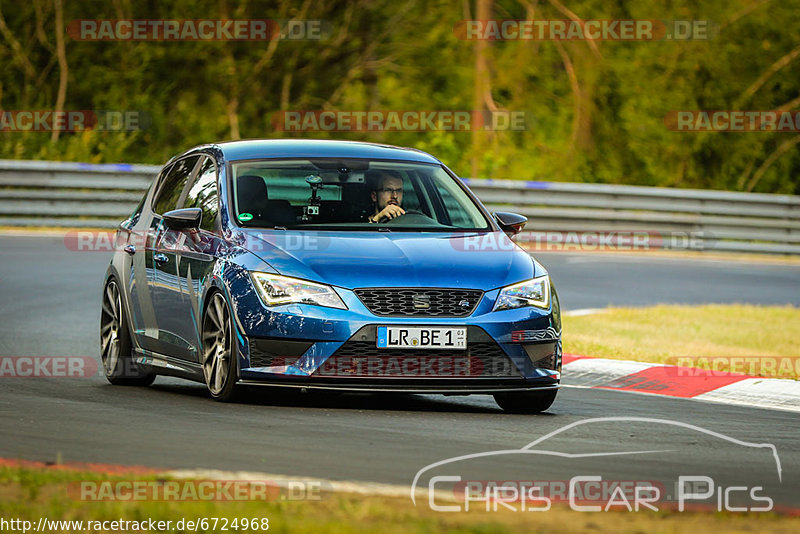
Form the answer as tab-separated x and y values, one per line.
683	382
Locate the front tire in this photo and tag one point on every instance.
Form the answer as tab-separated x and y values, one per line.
115	343
220	362
526	401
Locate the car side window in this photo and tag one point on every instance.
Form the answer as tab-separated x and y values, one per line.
170	191
203	194
456	213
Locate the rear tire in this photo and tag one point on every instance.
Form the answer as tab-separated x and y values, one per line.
526	401
220	357
115	343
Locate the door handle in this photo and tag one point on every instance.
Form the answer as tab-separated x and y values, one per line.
130	249
160	258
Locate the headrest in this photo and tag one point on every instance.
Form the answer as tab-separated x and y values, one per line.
252	194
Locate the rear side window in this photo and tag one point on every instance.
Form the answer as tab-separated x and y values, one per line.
203	194
170	191
134	217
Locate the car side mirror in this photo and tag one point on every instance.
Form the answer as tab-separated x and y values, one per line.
510	223
184	219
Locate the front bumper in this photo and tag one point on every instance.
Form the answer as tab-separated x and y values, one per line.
426	386
314	347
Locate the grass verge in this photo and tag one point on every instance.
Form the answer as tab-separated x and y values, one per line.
32	493
754	340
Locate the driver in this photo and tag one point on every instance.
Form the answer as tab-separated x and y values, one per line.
387	197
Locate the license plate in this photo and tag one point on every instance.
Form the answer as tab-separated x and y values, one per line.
409	337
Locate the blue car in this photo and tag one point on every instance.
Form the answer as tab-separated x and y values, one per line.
332	265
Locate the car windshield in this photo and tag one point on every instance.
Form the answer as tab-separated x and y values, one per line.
351	194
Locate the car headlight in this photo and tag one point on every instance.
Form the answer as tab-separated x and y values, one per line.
276	290
535	292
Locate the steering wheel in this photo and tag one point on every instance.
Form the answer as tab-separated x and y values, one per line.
410	217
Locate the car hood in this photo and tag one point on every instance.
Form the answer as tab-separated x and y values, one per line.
484	260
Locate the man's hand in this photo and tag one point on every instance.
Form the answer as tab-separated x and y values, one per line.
392	211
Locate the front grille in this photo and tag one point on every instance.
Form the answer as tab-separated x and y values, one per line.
363	359
420	302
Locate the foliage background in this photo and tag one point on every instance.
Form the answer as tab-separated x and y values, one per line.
598	107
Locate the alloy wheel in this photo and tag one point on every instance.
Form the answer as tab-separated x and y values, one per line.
110	325
218	362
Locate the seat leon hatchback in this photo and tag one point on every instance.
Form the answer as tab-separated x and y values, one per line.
327	265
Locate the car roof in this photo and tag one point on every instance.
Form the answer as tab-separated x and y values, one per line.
315	148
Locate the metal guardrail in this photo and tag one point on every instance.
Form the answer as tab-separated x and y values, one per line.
63	194
710	220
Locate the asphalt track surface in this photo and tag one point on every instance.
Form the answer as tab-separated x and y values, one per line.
50	307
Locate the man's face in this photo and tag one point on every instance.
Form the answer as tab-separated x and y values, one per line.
390	191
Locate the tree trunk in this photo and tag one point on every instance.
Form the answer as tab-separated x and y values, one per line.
482	13
63	68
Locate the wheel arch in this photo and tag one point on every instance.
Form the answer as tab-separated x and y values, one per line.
218	286
112	274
